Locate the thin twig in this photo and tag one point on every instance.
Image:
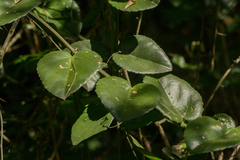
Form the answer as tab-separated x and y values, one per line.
139	22
200	49
221	156
57	144
1	141
131	146
14	39
220	82
7	40
164	137
45	34
215	36
126	75
141	139
34	16
212	155
104	73
234	152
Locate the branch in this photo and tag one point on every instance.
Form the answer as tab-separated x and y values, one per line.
1	141
34	16
164	137
220	82
7	40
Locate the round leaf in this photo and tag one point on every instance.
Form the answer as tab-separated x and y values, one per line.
179	101
10	11
206	134
141	54
93	46
130	6
124	101
63	74
62	15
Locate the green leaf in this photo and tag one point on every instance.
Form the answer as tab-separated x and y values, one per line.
94	119
144	120
139	148
92	82
62	15
63	74
125	102
9	11
140	5
226	119
206	134
92	46
142	55
179	101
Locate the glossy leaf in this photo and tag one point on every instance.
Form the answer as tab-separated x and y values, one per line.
141	54
10	11
206	134
139	148
125	102
179	101
144	120
226	119
62	15
140	5
93	46
92	82
63	74
94	119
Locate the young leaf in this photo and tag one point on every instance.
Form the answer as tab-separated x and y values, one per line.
93	46
10	11
125	102
94	119
139	148
63	74
205	134
142	55
136	5
62	15
179	101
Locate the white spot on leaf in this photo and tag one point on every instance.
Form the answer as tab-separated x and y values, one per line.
134	92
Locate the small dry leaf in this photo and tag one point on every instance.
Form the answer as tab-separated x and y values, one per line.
130	2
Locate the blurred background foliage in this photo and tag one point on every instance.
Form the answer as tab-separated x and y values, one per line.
38	125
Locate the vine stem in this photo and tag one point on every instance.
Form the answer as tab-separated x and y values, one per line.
32	15
220	82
